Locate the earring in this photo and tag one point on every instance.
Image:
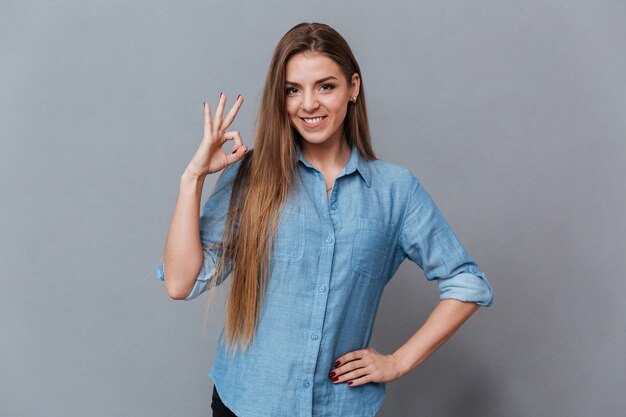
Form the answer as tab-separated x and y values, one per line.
353	99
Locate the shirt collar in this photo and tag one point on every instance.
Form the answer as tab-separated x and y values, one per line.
355	163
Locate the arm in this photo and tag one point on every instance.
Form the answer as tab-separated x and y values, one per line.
425	238
442	323
428	240
183	254
368	365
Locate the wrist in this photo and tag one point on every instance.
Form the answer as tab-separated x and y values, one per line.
192	180
404	363
190	176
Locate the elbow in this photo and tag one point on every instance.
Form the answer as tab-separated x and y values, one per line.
175	291
178	283
177	296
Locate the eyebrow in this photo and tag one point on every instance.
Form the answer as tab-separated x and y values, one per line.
316	82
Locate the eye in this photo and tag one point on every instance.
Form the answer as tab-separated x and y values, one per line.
330	87
288	90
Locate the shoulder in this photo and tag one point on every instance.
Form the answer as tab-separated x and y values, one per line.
389	174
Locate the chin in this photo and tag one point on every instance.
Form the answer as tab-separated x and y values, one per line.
307	137
313	139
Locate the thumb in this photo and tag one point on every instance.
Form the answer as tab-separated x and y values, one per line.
237	154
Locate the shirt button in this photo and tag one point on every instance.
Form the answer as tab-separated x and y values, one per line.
473	269
306	384
329	239
314	336
333	206
322	288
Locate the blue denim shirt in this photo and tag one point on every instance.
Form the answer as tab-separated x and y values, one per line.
332	259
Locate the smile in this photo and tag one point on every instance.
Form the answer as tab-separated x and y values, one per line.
313	122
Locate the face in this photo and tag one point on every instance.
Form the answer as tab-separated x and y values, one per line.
316	88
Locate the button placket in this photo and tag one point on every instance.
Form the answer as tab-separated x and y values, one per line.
320	291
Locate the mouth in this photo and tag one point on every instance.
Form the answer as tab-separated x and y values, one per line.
313	121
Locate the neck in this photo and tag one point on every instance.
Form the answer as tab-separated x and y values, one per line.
328	155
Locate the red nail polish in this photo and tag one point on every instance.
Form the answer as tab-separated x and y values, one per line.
335	378
349	382
238	97
336	363
332	374
221	93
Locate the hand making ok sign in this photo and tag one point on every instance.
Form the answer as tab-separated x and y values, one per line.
210	157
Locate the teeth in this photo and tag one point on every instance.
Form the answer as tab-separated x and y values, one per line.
317	119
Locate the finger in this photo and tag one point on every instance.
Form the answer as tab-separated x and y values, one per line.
207	118
348	357
360	381
217	121
234	157
346	368
235	136
232	113
356	373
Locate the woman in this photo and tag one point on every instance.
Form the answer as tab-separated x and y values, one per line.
310	226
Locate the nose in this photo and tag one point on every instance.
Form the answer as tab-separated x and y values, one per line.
309	102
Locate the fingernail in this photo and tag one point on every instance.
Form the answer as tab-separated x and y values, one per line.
336	363
349	382
335	378
238	97
332	374
221	92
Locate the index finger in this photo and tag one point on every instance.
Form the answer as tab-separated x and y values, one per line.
208	125
348	357
232	113
217	120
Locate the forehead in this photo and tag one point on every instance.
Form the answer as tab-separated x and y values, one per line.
310	66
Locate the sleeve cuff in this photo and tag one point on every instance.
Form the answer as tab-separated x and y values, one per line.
467	287
160	273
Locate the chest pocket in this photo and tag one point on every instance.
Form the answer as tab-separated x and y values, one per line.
371	248
289	239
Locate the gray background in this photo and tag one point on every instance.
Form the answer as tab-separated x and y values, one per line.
512	114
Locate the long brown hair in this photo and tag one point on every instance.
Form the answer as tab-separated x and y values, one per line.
267	173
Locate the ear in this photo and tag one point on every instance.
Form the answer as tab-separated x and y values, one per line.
356	84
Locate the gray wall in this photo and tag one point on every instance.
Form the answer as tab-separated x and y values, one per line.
511	113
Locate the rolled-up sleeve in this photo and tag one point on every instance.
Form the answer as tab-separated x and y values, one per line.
428	240
212	225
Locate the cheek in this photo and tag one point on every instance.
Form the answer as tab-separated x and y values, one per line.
291	108
336	103
338	108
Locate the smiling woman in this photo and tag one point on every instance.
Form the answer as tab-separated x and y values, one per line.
316	99
310	225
